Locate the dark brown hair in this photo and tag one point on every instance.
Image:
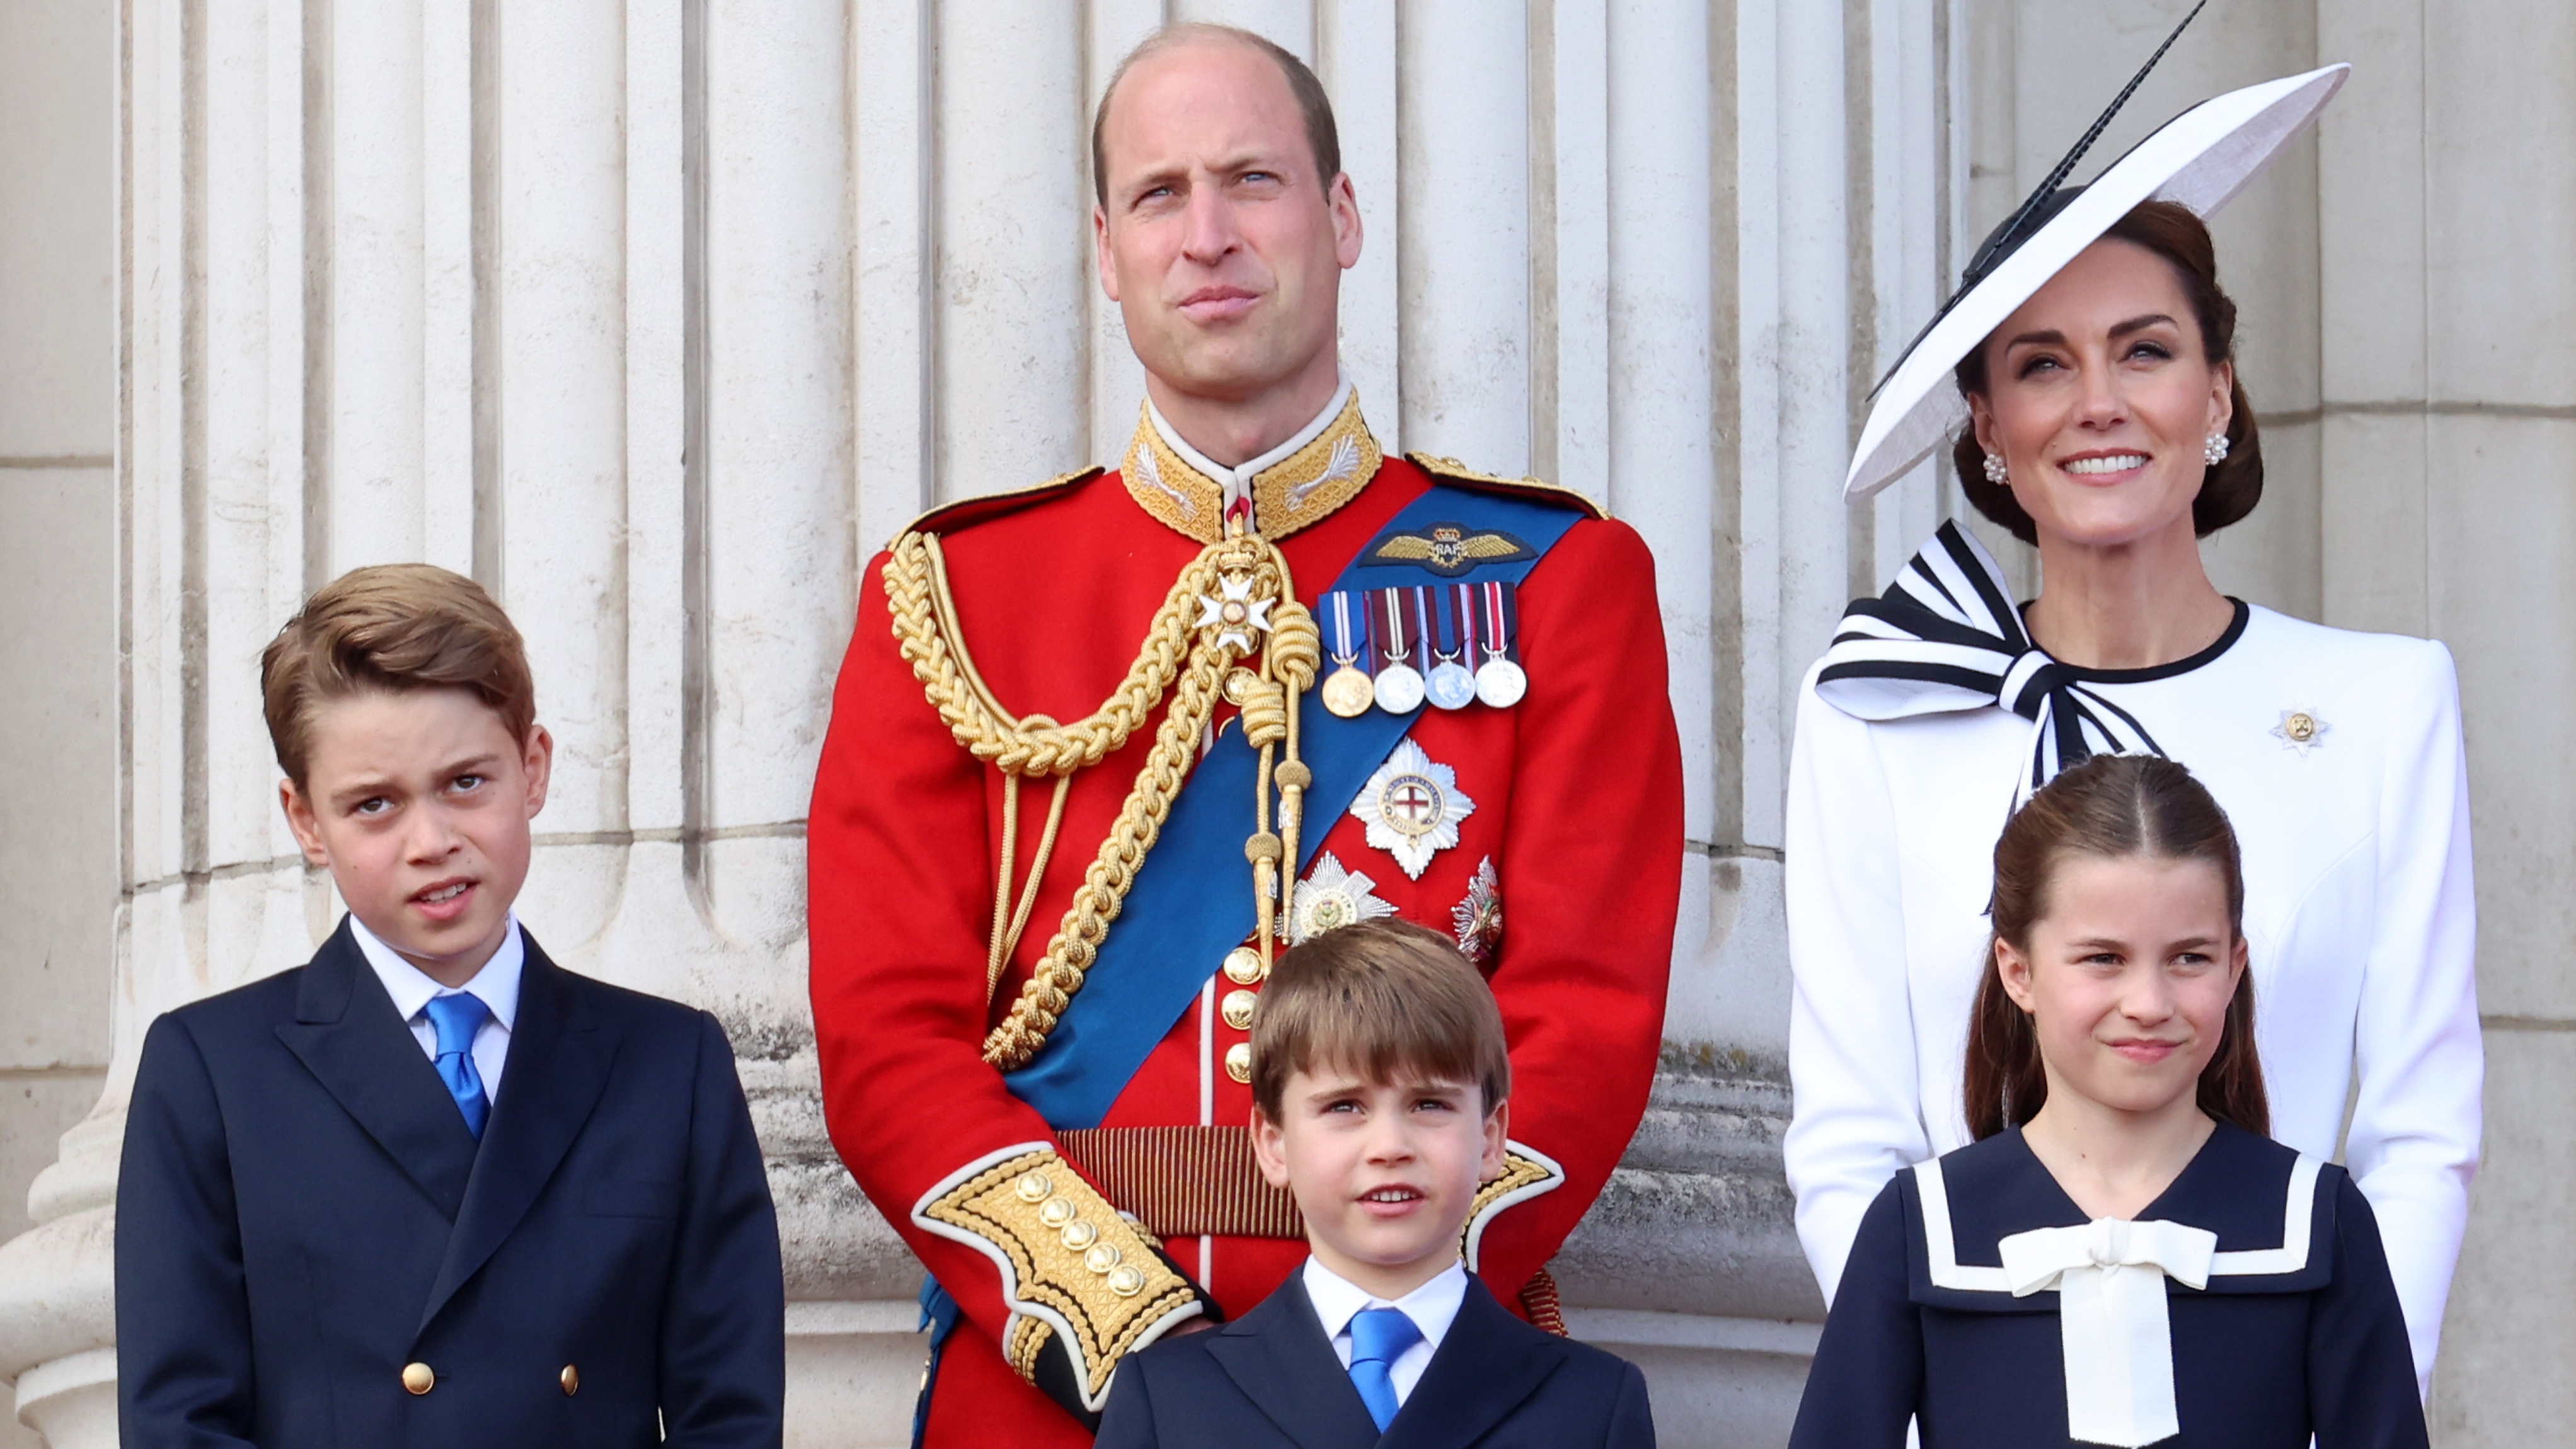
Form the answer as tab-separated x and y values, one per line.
1322	136
391	627
2228	490
2115	807
1378	998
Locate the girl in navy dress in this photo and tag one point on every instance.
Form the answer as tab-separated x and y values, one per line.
2122	1256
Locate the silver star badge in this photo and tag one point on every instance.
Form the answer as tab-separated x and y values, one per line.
1331	897
2300	730
1412	807
1237	613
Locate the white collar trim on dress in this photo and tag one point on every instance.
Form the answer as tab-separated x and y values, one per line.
2298	1215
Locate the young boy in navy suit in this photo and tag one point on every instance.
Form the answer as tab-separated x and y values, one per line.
1379	1075
431	1188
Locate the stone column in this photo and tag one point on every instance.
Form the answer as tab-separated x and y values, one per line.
2447	193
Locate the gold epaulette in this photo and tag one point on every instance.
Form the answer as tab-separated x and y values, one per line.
1527	1173
1072	1269
1452	471
949	517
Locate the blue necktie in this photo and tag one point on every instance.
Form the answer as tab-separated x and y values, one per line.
457	1018
1379	1336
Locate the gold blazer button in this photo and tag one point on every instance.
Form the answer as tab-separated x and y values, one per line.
418	1379
571	1380
1238	1061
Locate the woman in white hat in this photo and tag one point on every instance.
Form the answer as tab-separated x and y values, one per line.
2088	367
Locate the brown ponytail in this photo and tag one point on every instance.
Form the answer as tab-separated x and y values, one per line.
2113	806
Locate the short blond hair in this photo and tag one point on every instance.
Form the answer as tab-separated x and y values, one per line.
391	627
1378	998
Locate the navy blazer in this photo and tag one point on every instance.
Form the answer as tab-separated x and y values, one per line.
1270	1380
2269	1353
302	1214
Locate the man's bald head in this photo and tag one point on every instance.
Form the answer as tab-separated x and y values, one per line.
1322	136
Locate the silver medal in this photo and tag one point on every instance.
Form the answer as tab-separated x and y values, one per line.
1399	689
1450	685
1500	683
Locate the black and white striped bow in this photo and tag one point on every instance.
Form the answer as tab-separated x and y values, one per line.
1945	636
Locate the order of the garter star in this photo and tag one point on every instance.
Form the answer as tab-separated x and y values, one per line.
1412	807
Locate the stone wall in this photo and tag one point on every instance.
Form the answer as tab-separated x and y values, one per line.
659	316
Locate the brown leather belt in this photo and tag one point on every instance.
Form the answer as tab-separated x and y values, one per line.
1180	1182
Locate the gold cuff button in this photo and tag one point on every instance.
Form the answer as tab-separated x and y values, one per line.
1078	1236
571	1380
1102	1257
1238	1061
1126	1282
1243	966
1033	1187
1055	1212
1237	1008
418	1379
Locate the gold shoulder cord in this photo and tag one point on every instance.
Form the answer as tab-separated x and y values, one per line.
1234	602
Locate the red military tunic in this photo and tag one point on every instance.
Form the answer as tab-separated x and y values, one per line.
1576	829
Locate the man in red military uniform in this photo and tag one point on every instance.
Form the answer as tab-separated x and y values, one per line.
1099	748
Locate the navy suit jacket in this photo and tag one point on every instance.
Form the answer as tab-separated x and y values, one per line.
302	1214
1270	1380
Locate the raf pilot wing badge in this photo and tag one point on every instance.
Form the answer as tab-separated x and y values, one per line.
1447	549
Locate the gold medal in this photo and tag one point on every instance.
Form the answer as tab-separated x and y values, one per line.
1347	691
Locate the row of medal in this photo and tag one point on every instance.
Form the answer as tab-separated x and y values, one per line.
1449	644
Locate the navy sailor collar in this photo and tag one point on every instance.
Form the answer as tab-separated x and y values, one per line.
2273	1210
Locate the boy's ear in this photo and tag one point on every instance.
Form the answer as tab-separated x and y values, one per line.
537	762
300	819
1268	1150
1498	1132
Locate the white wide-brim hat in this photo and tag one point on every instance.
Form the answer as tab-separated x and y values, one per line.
2199	159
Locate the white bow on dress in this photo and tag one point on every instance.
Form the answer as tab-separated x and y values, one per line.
2110	1280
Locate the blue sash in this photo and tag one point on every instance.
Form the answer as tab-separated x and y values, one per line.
1192	899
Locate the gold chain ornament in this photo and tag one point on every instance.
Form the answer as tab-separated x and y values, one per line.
1234	602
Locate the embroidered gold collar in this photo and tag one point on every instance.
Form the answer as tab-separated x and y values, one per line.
1295	484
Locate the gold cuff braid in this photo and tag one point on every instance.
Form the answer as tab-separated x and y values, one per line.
1074	1266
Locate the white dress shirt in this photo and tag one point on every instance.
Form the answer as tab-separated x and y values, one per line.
497	984
2358	913
1432	1307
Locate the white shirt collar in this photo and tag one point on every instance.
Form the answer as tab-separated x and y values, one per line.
411	988
1432	1307
1238	481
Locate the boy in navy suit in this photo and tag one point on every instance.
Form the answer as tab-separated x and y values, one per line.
431	1188
1379	1074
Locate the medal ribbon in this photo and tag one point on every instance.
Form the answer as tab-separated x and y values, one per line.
1421	627
1457	624
1502	618
1391	608
1340	615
